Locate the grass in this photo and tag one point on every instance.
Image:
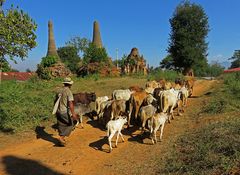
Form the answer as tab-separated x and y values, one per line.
225	98
24	105
211	148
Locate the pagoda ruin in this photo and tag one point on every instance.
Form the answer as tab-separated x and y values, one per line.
52	51
58	69
134	63
96	35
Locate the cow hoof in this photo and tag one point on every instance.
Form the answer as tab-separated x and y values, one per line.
115	146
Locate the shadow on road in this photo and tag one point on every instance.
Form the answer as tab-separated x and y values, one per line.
98	145
19	166
42	134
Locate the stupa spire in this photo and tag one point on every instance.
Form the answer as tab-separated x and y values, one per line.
52	51
96	35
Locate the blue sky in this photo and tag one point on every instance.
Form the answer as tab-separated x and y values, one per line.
125	24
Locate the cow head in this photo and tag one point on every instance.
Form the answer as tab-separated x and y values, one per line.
92	96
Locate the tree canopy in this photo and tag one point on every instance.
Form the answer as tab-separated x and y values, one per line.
167	63
81	44
189	29
94	54
17	33
236	59
69	56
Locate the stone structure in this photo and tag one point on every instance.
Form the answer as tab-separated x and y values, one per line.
59	70
134	63
96	35
52	51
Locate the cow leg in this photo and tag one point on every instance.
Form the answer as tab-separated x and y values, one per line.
81	121
117	139
161	131
130	114
121	136
110	141
155	135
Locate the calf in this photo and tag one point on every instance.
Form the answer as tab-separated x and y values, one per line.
156	121
113	127
146	112
80	110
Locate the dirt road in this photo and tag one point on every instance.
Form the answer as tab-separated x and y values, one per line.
87	149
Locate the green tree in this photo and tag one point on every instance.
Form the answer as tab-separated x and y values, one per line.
120	62
167	63
69	56
236	59
28	70
81	44
215	70
189	29
94	54
5	66
17	34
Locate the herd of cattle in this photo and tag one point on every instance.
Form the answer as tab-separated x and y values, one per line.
147	108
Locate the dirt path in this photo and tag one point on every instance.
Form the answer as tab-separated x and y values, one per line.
86	152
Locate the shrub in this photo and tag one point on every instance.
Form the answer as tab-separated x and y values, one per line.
43	72
159	74
49	61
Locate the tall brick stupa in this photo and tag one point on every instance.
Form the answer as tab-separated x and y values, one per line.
52	51
96	35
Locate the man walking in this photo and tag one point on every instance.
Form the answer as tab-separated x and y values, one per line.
65	111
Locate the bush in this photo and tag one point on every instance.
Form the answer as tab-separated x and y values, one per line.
159	74
49	61
232	82
43	72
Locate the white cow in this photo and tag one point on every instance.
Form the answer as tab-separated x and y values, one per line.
169	100
122	94
98	102
113	127
159	119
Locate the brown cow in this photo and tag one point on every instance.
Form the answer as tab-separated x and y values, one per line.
84	98
135	88
189	86
112	110
136	101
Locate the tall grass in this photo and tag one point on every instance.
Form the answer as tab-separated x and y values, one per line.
226	98
212	148
24	105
